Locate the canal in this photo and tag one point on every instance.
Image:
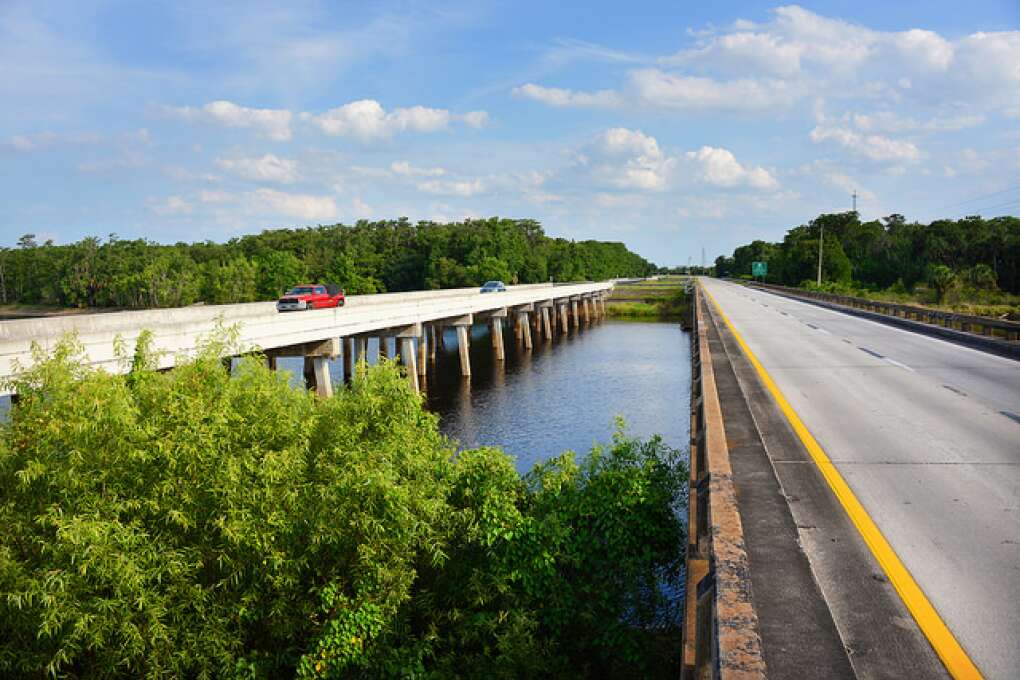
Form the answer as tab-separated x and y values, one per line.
564	394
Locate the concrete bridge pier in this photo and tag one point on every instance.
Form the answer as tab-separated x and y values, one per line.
404	338
463	325
435	336
496	333
348	359
525	326
383	348
546	322
573	314
422	354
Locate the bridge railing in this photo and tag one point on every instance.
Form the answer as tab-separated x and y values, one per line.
979	325
720	637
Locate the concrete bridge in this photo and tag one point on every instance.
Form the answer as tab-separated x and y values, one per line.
855	497
415	320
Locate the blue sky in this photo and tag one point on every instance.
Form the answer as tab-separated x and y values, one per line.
670	126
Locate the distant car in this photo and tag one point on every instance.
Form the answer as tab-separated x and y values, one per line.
310	296
493	287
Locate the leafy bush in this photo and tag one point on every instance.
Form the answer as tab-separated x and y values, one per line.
190	523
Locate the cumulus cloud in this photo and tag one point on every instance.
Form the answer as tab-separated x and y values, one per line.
268	168
560	98
273	123
719	167
799	55
366	120
627	159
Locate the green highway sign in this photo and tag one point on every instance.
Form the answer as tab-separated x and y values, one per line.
759	268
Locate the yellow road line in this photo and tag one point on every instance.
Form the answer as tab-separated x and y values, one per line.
942	640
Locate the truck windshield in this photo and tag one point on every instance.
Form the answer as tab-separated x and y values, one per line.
301	290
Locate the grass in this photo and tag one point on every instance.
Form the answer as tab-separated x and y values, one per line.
664	298
992	304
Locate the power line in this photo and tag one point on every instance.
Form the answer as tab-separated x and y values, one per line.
978	198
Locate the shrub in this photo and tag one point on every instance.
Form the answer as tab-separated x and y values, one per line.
190	523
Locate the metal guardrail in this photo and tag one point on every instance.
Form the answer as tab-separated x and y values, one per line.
978	325
720	636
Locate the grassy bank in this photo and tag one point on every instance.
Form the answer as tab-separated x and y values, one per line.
664	298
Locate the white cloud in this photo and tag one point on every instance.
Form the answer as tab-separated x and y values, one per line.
799	55
560	98
273	123
626	159
475	119
719	167
301	206
404	168
659	89
873	147
444	187
366	120
268	168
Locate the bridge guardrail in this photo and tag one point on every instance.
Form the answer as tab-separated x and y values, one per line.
978	325
720	636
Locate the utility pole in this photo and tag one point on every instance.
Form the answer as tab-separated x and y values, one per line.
855	200
821	236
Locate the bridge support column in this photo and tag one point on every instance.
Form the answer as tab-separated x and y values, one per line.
563	319
525	326
496	331
422	354
408	359
435	333
383	347
465	350
463	325
546	322
271	362
348	359
573	314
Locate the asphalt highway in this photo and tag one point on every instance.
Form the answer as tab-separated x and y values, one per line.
927	435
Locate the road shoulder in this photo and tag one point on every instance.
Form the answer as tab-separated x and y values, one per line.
816	585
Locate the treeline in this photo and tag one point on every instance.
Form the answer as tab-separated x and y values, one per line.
195	524
891	252
368	257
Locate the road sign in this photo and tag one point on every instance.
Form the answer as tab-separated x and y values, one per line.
759	268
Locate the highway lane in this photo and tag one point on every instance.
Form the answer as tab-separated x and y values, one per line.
927	435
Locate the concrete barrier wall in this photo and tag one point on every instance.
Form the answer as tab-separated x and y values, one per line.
721	636
176	332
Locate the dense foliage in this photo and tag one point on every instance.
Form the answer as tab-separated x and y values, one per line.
368	257
984	253
193	524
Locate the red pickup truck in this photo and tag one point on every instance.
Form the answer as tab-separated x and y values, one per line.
310	296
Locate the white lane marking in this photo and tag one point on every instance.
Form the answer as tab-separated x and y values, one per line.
822	331
896	363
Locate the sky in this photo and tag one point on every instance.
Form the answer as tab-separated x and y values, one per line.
674	127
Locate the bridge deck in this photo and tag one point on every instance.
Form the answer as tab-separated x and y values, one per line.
925	435
177	332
